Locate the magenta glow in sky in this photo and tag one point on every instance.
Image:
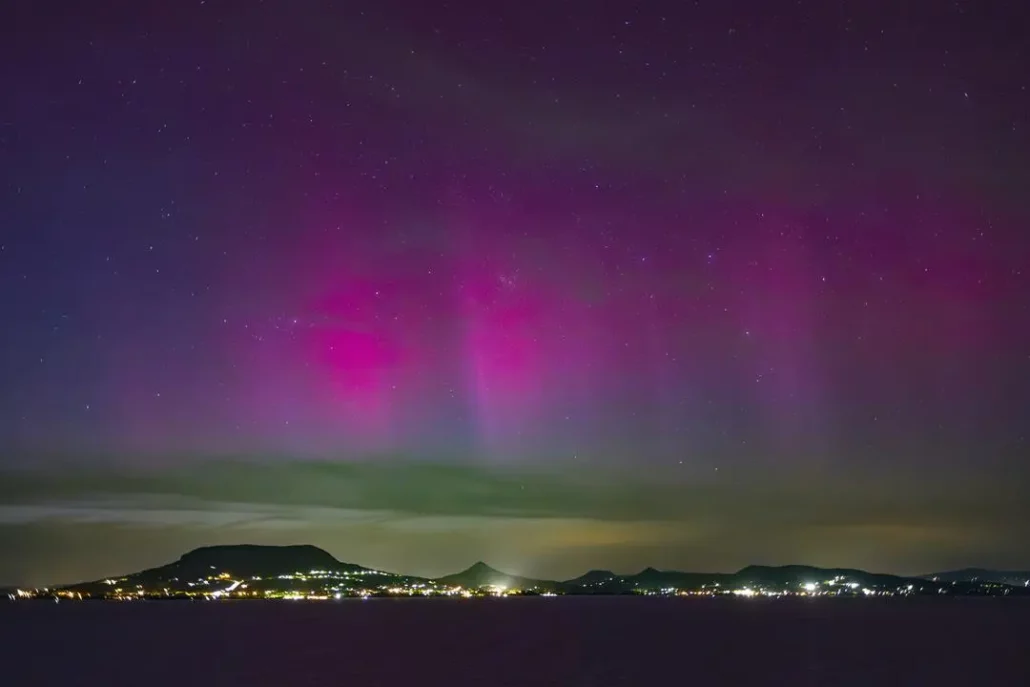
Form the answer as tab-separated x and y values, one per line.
681	242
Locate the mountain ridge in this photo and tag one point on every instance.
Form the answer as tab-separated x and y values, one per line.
214	570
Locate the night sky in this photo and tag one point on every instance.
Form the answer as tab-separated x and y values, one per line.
557	285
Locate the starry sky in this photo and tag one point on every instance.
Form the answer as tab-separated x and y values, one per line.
556	285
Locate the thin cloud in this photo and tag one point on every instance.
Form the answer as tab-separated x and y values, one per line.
322	492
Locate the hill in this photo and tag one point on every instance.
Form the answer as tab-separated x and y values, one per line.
652	579
250	559
593	578
1010	577
795	575
217	569
482	575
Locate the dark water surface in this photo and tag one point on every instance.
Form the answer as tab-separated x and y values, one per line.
564	641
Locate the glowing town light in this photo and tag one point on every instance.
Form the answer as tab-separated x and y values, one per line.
746	592
809	586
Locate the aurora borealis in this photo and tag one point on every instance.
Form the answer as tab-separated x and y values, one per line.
555	285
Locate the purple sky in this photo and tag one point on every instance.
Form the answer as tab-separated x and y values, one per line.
698	240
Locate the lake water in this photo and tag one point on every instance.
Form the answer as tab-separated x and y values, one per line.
570	642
